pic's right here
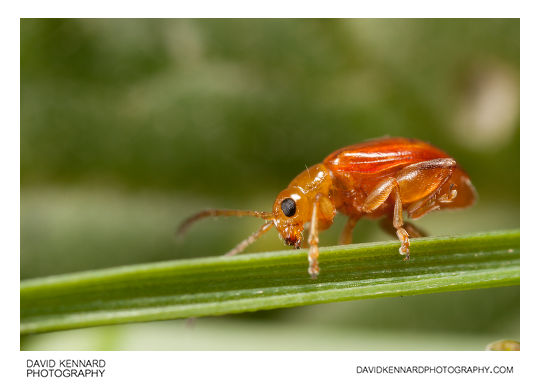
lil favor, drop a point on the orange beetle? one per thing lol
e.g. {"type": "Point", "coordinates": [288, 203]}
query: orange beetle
{"type": "Point", "coordinates": [377, 178]}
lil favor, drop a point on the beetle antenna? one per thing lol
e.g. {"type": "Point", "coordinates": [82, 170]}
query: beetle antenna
{"type": "Point", "coordinates": [182, 228]}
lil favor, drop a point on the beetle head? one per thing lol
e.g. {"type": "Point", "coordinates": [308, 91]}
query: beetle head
{"type": "Point", "coordinates": [290, 212]}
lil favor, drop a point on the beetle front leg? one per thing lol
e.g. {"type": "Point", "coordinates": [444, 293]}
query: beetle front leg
{"type": "Point", "coordinates": [313, 240]}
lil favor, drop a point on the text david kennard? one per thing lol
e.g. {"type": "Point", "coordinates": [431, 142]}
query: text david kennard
{"type": "Point", "coordinates": [65, 368]}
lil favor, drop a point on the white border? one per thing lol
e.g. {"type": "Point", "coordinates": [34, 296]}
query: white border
{"type": "Point", "coordinates": [268, 366]}
{"type": "Point", "coordinates": [287, 367]}
{"type": "Point", "coordinates": [276, 8]}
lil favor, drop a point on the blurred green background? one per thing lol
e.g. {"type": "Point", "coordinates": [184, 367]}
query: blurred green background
{"type": "Point", "coordinates": [129, 126]}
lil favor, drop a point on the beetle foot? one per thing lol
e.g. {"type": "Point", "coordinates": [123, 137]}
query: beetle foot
{"type": "Point", "coordinates": [405, 252]}
{"type": "Point", "coordinates": [407, 257]}
{"type": "Point", "coordinates": [313, 256]}
{"type": "Point", "coordinates": [448, 197]}
{"type": "Point", "coordinates": [404, 238]}
{"type": "Point", "coordinates": [313, 271]}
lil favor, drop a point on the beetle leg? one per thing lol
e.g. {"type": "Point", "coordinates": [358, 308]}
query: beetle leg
{"type": "Point", "coordinates": [346, 235]}
{"type": "Point", "coordinates": [418, 210]}
{"type": "Point", "coordinates": [397, 222]}
{"type": "Point", "coordinates": [413, 231]}
{"type": "Point", "coordinates": [251, 239]}
{"type": "Point", "coordinates": [313, 240]}
{"type": "Point", "coordinates": [379, 196]}
{"type": "Point", "coordinates": [432, 202]}
{"type": "Point", "coordinates": [403, 237]}
{"type": "Point", "coordinates": [448, 197]}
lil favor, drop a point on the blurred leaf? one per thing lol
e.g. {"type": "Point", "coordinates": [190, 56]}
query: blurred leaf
{"type": "Point", "coordinates": [503, 345]}
{"type": "Point", "coordinates": [231, 107]}
{"type": "Point", "coordinates": [219, 285]}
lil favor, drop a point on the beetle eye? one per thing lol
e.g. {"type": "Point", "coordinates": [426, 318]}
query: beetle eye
{"type": "Point", "coordinates": [288, 206]}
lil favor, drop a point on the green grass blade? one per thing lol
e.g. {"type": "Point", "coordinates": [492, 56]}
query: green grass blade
{"type": "Point", "coordinates": [221, 285]}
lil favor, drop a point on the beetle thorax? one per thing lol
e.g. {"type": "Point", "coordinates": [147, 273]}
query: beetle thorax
{"type": "Point", "coordinates": [314, 180]}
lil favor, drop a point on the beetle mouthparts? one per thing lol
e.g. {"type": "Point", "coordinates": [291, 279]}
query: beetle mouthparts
{"type": "Point", "coordinates": [293, 241]}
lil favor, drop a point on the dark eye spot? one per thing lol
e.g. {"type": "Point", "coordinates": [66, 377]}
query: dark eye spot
{"type": "Point", "coordinates": [288, 206]}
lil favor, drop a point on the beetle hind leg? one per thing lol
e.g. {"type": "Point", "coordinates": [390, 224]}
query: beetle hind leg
{"type": "Point", "coordinates": [432, 202]}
